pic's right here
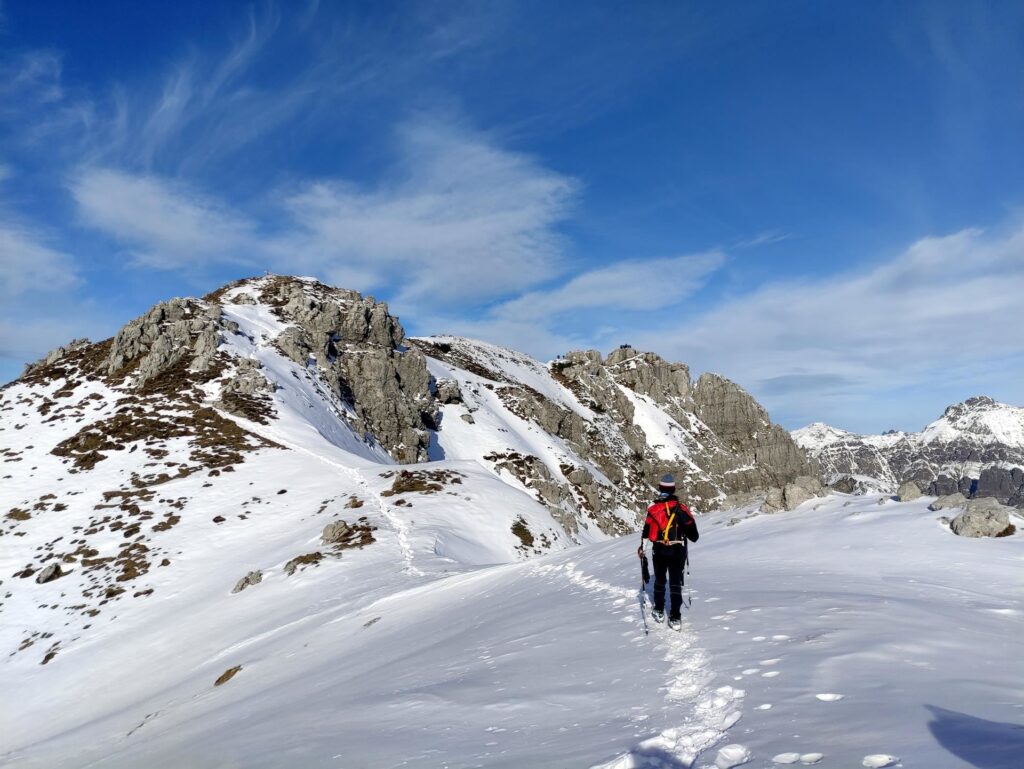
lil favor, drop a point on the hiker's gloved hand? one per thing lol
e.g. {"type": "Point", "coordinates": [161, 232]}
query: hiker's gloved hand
{"type": "Point", "coordinates": [640, 551]}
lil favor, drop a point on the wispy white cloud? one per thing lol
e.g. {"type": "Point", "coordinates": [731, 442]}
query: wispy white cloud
{"type": "Point", "coordinates": [460, 218]}
{"type": "Point", "coordinates": [763, 239]}
{"type": "Point", "coordinates": [629, 285]}
{"type": "Point", "coordinates": [942, 305]}
{"type": "Point", "coordinates": [28, 265]}
{"type": "Point", "coordinates": [165, 224]}
{"type": "Point", "coordinates": [30, 79]}
{"type": "Point", "coordinates": [37, 306]}
{"type": "Point", "coordinates": [596, 308]}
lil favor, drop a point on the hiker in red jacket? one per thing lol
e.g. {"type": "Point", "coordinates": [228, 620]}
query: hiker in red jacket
{"type": "Point", "coordinates": [669, 525]}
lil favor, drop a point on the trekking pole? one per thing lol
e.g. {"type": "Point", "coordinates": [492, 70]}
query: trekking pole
{"type": "Point", "coordinates": [642, 595]}
{"type": "Point", "coordinates": [686, 568]}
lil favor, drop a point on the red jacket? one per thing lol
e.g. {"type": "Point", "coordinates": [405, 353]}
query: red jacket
{"type": "Point", "coordinates": [670, 521]}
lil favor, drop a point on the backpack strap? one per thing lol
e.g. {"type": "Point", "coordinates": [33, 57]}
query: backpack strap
{"type": "Point", "coordinates": [668, 526]}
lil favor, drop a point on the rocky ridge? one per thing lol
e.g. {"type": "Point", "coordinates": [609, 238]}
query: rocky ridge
{"type": "Point", "coordinates": [625, 419]}
{"type": "Point", "coordinates": [630, 417]}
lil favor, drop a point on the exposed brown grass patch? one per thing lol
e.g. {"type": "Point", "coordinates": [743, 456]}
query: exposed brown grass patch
{"type": "Point", "coordinates": [227, 675]}
{"type": "Point", "coordinates": [521, 530]}
{"type": "Point", "coordinates": [420, 481]}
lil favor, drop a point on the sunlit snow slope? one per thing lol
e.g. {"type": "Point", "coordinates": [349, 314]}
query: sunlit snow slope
{"type": "Point", "coordinates": [867, 634]}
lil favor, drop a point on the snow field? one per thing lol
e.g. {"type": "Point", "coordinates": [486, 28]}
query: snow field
{"type": "Point", "coordinates": [860, 616]}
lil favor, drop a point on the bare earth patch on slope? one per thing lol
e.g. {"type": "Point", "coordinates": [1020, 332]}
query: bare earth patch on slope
{"type": "Point", "coordinates": [420, 481]}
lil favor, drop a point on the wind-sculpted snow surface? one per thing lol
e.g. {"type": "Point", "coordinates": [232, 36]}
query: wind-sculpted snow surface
{"type": "Point", "coordinates": [838, 654]}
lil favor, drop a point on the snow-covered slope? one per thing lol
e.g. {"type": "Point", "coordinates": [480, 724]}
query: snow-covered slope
{"type": "Point", "coordinates": [975, 447]}
{"type": "Point", "coordinates": [844, 635]}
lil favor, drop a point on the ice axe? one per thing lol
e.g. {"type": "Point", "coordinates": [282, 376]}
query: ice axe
{"type": "Point", "coordinates": [645, 577]}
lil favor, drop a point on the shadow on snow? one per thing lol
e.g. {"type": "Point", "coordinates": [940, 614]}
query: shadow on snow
{"type": "Point", "coordinates": [983, 744]}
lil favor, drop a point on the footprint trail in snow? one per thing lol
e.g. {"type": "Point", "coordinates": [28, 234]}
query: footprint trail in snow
{"type": "Point", "coordinates": [709, 712]}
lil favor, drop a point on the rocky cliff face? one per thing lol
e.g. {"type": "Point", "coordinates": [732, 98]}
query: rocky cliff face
{"type": "Point", "coordinates": [350, 343]}
{"type": "Point", "coordinates": [355, 347]}
{"type": "Point", "coordinates": [742, 424]}
{"type": "Point", "coordinates": [624, 420]}
{"type": "Point", "coordinates": [975, 448]}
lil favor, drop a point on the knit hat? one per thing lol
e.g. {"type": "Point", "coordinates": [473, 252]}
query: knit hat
{"type": "Point", "coordinates": [667, 484]}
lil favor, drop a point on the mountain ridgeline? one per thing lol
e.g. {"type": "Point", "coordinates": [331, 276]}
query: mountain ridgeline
{"type": "Point", "coordinates": [976, 448]}
{"type": "Point", "coordinates": [610, 425]}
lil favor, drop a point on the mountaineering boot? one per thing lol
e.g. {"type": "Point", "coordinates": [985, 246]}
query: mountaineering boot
{"type": "Point", "coordinates": [675, 624]}
{"type": "Point", "coordinates": [659, 615]}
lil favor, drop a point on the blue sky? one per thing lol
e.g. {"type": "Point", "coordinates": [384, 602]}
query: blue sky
{"type": "Point", "coordinates": [822, 202]}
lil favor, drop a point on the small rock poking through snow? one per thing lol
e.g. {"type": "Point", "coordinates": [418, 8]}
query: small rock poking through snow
{"type": "Point", "coordinates": [811, 758]}
{"type": "Point", "coordinates": [786, 758]}
{"type": "Point", "coordinates": [879, 760]}
{"type": "Point", "coordinates": [732, 755]}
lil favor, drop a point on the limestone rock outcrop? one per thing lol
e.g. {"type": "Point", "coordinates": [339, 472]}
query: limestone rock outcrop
{"type": "Point", "coordinates": [356, 347]}
{"type": "Point", "coordinates": [57, 354]}
{"type": "Point", "coordinates": [908, 491]}
{"type": "Point", "coordinates": [250, 579]}
{"type": "Point", "coordinates": [633, 417]}
{"type": "Point", "coordinates": [165, 336]}
{"type": "Point", "coordinates": [983, 518]}
{"type": "Point", "coordinates": [743, 425]}
{"type": "Point", "coordinates": [956, 500]}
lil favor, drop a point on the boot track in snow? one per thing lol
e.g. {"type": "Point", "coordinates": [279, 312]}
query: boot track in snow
{"type": "Point", "coordinates": [687, 689]}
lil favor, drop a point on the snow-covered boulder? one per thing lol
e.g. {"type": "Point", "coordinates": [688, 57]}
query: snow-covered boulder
{"type": "Point", "coordinates": [983, 518]}
{"type": "Point", "coordinates": [947, 501]}
{"type": "Point", "coordinates": [250, 579]}
{"type": "Point", "coordinates": [802, 489]}
{"type": "Point", "coordinates": [908, 491]}
{"type": "Point", "coordinates": [774, 501]}
{"type": "Point", "coordinates": [845, 484]}
{"type": "Point", "coordinates": [792, 495]}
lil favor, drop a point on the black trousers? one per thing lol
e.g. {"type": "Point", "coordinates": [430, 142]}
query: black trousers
{"type": "Point", "coordinates": [669, 560]}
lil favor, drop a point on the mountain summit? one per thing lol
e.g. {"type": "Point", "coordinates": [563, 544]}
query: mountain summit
{"type": "Point", "coordinates": [976, 448]}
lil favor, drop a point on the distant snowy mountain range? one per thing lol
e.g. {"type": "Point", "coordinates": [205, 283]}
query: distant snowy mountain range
{"type": "Point", "coordinates": [265, 528]}
{"type": "Point", "coordinates": [975, 447]}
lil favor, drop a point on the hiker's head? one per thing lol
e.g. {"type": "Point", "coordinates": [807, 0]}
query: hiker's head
{"type": "Point", "coordinates": [666, 486]}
